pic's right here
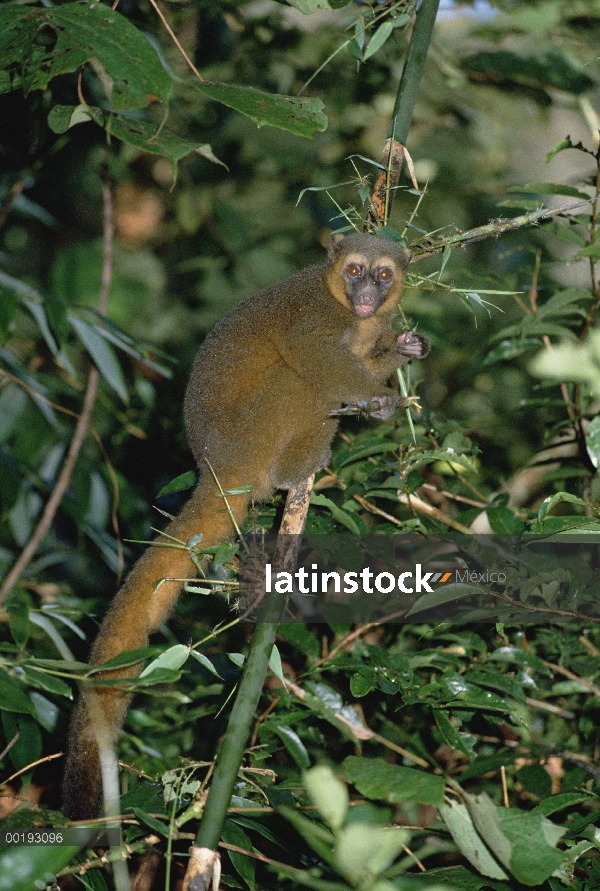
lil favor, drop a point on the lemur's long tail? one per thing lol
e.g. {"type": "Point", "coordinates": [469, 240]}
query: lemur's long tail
{"type": "Point", "coordinates": [139, 608]}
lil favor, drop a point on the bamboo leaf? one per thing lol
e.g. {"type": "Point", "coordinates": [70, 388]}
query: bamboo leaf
{"type": "Point", "coordinates": [378, 39]}
{"type": "Point", "coordinates": [299, 115]}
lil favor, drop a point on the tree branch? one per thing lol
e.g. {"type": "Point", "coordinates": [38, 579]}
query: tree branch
{"type": "Point", "coordinates": [491, 230]}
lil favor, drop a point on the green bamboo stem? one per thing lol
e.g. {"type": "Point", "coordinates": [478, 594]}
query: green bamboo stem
{"type": "Point", "coordinates": [238, 730]}
{"type": "Point", "coordinates": [251, 685]}
{"type": "Point", "coordinates": [412, 71]}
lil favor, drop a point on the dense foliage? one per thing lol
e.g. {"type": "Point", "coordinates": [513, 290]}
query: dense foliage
{"type": "Point", "coordinates": [477, 743]}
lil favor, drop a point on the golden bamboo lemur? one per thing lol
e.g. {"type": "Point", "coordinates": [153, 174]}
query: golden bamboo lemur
{"type": "Point", "coordinates": [258, 408]}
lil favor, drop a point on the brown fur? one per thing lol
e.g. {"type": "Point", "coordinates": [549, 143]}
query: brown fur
{"type": "Point", "coordinates": [258, 409]}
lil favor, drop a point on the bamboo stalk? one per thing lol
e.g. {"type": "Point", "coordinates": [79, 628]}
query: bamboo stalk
{"type": "Point", "coordinates": [410, 80]}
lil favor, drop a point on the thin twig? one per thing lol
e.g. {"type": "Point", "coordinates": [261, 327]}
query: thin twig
{"type": "Point", "coordinates": [546, 609]}
{"type": "Point", "coordinates": [453, 497]}
{"type": "Point", "coordinates": [176, 42]}
{"type": "Point", "coordinates": [32, 765]}
{"type": "Point", "coordinates": [14, 194]}
{"type": "Point", "coordinates": [559, 669]}
{"type": "Point", "coordinates": [425, 508]}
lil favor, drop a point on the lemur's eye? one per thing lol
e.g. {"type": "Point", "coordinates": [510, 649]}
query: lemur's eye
{"type": "Point", "coordinates": [385, 274]}
{"type": "Point", "coordinates": [353, 270]}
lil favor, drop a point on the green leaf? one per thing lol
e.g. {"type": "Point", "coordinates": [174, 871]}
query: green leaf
{"type": "Point", "coordinates": [526, 204]}
{"type": "Point", "coordinates": [179, 483]}
{"type": "Point", "coordinates": [562, 801]}
{"type": "Point", "coordinates": [129, 657]}
{"type": "Point", "coordinates": [378, 780]}
{"type": "Point", "coordinates": [301, 116]}
{"type": "Point", "coordinates": [519, 657]}
{"type": "Point", "coordinates": [494, 680]}
{"type": "Point", "coordinates": [401, 20]}
{"type": "Point", "coordinates": [504, 521]}
{"type": "Point", "coordinates": [18, 617]}
{"type": "Point", "coordinates": [563, 302]}
{"type": "Point", "coordinates": [293, 744]}
{"type": "Point", "coordinates": [17, 29]}
{"type": "Point", "coordinates": [46, 712]}
{"type": "Point", "coordinates": [449, 732]}
{"type": "Point", "coordinates": [28, 746]}
{"type": "Point", "coordinates": [205, 661]}
{"type": "Point", "coordinates": [127, 64]}
{"type": "Point", "coordinates": [565, 871]}
{"type": "Point", "coordinates": [346, 519]}
{"type": "Point", "coordinates": [362, 683]}
{"type": "Point", "coordinates": [451, 456]}
{"type": "Point", "coordinates": [551, 525]}
{"type": "Point", "coordinates": [62, 117]}
{"type": "Point", "coordinates": [156, 677]}
{"type": "Point", "coordinates": [592, 250]}
{"type": "Point", "coordinates": [38, 312]}
{"type": "Point", "coordinates": [328, 794]}
{"type": "Point", "coordinates": [12, 696]}
{"type": "Point", "coordinates": [460, 824]}
{"type": "Point", "coordinates": [378, 39]}
{"type": "Point", "coordinates": [535, 779]}
{"type": "Point", "coordinates": [533, 856]}
{"type": "Point", "coordinates": [567, 233]}
{"type": "Point", "coordinates": [550, 502]}
{"type": "Point", "coordinates": [443, 594]}
{"type": "Point", "coordinates": [460, 693]}
{"type": "Point", "coordinates": [559, 147]}
{"type": "Point", "coordinates": [364, 850]}
{"type": "Point", "coordinates": [103, 357]}
{"type": "Point", "coordinates": [156, 825]}
{"type": "Point", "coordinates": [360, 451]}
{"type": "Point", "coordinates": [275, 664]}
{"type": "Point", "coordinates": [512, 348]}
{"type": "Point", "coordinates": [301, 637]}
{"type": "Point", "coordinates": [318, 837]}
{"type": "Point", "coordinates": [550, 189]}
{"type": "Point", "coordinates": [233, 834]}
{"type": "Point", "coordinates": [551, 69]}
{"type": "Point", "coordinates": [8, 305]}
{"type": "Point", "coordinates": [25, 868]}
{"type": "Point", "coordinates": [534, 325]}
{"type": "Point", "coordinates": [223, 553]}
{"type": "Point", "coordinates": [355, 50]}
{"type": "Point", "coordinates": [173, 658]}
{"type": "Point", "coordinates": [143, 135]}
{"type": "Point", "coordinates": [456, 878]}
{"type": "Point", "coordinates": [48, 682]}
{"type": "Point", "coordinates": [251, 823]}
